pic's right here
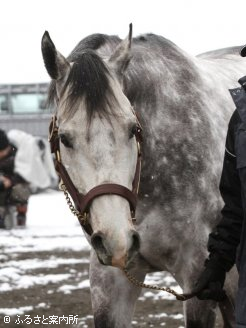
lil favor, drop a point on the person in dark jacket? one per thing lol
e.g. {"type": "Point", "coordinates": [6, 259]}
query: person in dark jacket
{"type": "Point", "coordinates": [14, 189]}
{"type": "Point", "coordinates": [227, 243]}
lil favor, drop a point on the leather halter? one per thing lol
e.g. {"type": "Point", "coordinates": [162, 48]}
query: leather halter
{"type": "Point", "coordinates": [82, 202]}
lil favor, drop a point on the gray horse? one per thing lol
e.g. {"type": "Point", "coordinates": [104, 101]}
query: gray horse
{"type": "Point", "coordinates": [184, 106]}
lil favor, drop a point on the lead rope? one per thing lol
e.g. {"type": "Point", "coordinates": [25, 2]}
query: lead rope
{"type": "Point", "coordinates": [179, 297]}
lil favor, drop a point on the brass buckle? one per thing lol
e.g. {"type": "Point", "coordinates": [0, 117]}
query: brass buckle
{"type": "Point", "coordinates": [58, 156]}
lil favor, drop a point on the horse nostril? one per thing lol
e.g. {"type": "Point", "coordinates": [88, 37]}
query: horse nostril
{"type": "Point", "coordinates": [97, 242]}
{"type": "Point", "coordinates": [133, 250]}
{"type": "Point", "coordinates": [135, 242]}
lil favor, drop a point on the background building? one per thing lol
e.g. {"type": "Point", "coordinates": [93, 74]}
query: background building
{"type": "Point", "coordinates": [23, 107]}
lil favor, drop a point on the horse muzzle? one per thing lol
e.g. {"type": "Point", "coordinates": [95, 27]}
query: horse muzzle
{"type": "Point", "coordinates": [109, 254]}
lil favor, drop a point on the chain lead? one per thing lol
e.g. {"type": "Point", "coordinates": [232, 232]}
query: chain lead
{"type": "Point", "coordinates": [138, 283]}
{"type": "Point", "coordinates": [82, 218]}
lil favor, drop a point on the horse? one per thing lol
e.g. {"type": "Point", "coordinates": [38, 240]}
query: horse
{"type": "Point", "coordinates": [105, 91]}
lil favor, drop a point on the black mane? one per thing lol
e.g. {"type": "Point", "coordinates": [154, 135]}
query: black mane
{"type": "Point", "coordinates": [88, 80]}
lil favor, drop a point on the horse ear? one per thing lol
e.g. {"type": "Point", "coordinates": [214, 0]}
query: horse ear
{"type": "Point", "coordinates": [56, 64]}
{"type": "Point", "coordinates": [121, 57]}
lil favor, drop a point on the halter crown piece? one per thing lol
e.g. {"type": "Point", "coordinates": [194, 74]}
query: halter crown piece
{"type": "Point", "coordinates": [82, 202]}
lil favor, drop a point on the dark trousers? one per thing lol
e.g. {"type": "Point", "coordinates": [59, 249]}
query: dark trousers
{"type": "Point", "coordinates": [18, 194]}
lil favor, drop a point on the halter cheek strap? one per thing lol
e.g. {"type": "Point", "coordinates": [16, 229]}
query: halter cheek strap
{"type": "Point", "coordinates": [83, 202]}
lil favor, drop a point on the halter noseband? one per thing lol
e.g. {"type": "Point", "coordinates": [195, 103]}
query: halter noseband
{"type": "Point", "coordinates": [83, 202]}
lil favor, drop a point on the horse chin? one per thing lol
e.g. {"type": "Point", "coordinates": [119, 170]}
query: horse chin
{"type": "Point", "coordinates": [121, 263]}
{"type": "Point", "coordinates": [110, 261]}
{"type": "Point", "coordinates": [115, 256]}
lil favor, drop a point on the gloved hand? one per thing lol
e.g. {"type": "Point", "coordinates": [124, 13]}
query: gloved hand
{"type": "Point", "coordinates": [211, 281]}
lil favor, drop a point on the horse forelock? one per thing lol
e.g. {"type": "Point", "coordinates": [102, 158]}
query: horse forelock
{"type": "Point", "coordinates": [88, 80]}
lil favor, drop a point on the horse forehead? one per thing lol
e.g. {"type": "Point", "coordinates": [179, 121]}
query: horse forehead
{"type": "Point", "coordinates": [115, 122]}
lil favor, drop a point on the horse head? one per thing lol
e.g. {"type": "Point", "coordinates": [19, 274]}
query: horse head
{"type": "Point", "coordinates": [96, 128]}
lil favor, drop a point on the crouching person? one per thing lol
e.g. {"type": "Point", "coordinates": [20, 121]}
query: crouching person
{"type": "Point", "coordinates": [14, 190]}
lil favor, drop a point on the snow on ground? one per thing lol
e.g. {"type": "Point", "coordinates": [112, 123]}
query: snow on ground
{"type": "Point", "coordinates": [50, 227]}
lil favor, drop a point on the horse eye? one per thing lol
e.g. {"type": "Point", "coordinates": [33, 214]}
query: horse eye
{"type": "Point", "coordinates": [135, 130]}
{"type": "Point", "coordinates": [65, 141]}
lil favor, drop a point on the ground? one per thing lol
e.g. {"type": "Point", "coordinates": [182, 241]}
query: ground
{"type": "Point", "coordinates": [44, 275]}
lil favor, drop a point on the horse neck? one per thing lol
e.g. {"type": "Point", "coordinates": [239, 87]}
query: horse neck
{"type": "Point", "coordinates": [162, 83]}
{"type": "Point", "coordinates": [164, 89]}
